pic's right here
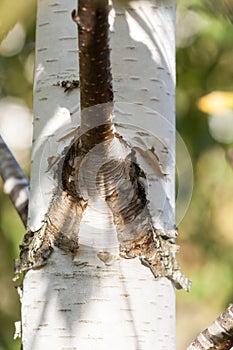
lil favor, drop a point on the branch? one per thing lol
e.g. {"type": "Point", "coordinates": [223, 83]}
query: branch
{"type": "Point", "coordinates": [101, 163]}
{"type": "Point", "coordinates": [96, 91]}
{"type": "Point", "coordinates": [15, 182]}
{"type": "Point", "coordinates": [218, 336]}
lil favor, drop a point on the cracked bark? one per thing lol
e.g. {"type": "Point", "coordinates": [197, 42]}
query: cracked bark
{"type": "Point", "coordinates": [76, 303]}
{"type": "Point", "coordinates": [136, 234]}
{"type": "Point", "coordinates": [117, 179]}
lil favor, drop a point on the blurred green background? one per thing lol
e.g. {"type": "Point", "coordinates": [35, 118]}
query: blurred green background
{"type": "Point", "coordinates": [205, 123]}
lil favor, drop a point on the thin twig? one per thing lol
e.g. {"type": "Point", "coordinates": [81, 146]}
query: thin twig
{"type": "Point", "coordinates": [218, 336]}
{"type": "Point", "coordinates": [15, 182]}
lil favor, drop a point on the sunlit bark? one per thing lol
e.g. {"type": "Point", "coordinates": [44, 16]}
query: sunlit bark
{"type": "Point", "coordinates": [218, 336]}
{"type": "Point", "coordinates": [103, 188]}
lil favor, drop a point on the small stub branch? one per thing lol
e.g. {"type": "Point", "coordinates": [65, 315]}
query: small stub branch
{"type": "Point", "coordinates": [98, 148]}
{"type": "Point", "coordinates": [218, 336]}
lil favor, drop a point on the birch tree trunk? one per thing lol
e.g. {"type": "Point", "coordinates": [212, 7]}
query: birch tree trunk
{"type": "Point", "coordinates": [95, 298]}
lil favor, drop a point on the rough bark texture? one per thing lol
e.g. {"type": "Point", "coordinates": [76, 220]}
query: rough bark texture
{"type": "Point", "coordinates": [96, 298]}
{"type": "Point", "coordinates": [218, 336]}
{"type": "Point", "coordinates": [116, 181]}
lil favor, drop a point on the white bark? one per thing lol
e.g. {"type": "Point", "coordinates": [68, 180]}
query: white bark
{"type": "Point", "coordinates": [144, 79]}
{"type": "Point", "coordinates": [100, 301]}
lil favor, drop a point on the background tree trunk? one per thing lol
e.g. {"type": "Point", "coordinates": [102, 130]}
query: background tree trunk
{"type": "Point", "coordinates": [98, 300]}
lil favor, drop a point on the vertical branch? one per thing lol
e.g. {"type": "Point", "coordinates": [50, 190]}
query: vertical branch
{"type": "Point", "coordinates": [15, 182]}
{"type": "Point", "coordinates": [96, 91]}
{"type": "Point", "coordinates": [94, 53]}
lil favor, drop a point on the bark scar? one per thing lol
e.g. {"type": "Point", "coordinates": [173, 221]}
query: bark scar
{"type": "Point", "coordinates": [119, 179]}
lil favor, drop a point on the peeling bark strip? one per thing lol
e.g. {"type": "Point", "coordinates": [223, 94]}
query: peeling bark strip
{"type": "Point", "coordinates": [218, 336]}
{"type": "Point", "coordinates": [118, 178]}
{"type": "Point", "coordinates": [15, 182]}
{"type": "Point", "coordinates": [136, 233]}
{"type": "Point", "coordinates": [60, 229]}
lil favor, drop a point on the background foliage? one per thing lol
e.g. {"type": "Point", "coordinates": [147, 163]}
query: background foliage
{"type": "Point", "coordinates": [204, 65]}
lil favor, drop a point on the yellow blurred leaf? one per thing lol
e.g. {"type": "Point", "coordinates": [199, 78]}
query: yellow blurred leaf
{"type": "Point", "coordinates": [216, 102]}
{"type": "Point", "coordinates": [13, 11]}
